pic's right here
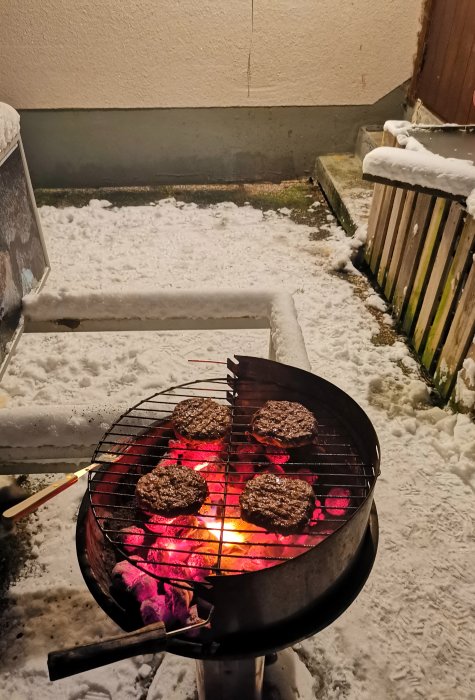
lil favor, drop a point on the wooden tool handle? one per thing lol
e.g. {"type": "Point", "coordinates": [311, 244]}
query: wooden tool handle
{"type": "Point", "coordinates": [20, 510]}
{"type": "Point", "coordinates": [146, 640]}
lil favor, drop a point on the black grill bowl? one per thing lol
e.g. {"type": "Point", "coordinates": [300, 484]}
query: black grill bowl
{"type": "Point", "coordinates": [300, 595]}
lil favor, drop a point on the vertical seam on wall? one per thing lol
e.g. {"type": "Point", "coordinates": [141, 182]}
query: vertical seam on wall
{"type": "Point", "coordinates": [250, 51]}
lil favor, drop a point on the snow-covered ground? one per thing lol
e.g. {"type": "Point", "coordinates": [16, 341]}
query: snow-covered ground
{"type": "Point", "coordinates": [411, 632]}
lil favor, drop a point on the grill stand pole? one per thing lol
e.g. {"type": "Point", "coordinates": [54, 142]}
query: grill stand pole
{"type": "Point", "coordinates": [236, 679]}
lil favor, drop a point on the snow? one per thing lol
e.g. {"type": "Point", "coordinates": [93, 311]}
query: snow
{"type": "Point", "coordinates": [397, 127]}
{"type": "Point", "coordinates": [9, 125]}
{"type": "Point", "coordinates": [374, 301]}
{"type": "Point", "coordinates": [414, 167]}
{"type": "Point", "coordinates": [402, 129]}
{"type": "Point", "coordinates": [471, 203]}
{"type": "Point", "coordinates": [465, 387]}
{"type": "Point", "coordinates": [411, 632]}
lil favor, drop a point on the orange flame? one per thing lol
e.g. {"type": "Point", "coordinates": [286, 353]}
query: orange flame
{"type": "Point", "coordinates": [230, 536]}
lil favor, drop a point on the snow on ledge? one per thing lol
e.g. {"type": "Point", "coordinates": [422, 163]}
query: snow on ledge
{"type": "Point", "coordinates": [146, 304]}
{"type": "Point", "coordinates": [42, 311]}
{"type": "Point", "coordinates": [400, 130]}
{"type": "Point", "coordinates": [422, 168]}
{"type": "Point", "coordinates": [9, 125]}
{"type": "Point", "coordinates": [46, 432]}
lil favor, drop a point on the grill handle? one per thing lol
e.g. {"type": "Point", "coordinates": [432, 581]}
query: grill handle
{"type": "Point", "coordinates": [67, 662]}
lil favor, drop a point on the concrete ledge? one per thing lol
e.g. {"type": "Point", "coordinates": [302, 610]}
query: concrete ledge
{"type": "Point", "coordinates": [117, 147]}
{"type": "Point", "coordinates": [340, 177]}
{"type": "Point", "coordinates": [41, 438]}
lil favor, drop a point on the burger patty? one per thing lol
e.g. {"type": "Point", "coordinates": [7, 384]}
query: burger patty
{"type": "Point", "coordinates": [283, 424]}
{"type": "Point", "coordinates": [201, 419]}
{"type": "Point", "coordinates": [280, 504]}
{"type": "Point", "coordinates": [171, 491]}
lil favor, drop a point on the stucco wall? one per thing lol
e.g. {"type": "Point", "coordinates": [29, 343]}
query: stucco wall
{"type": "Point", "coordinates": [201, 53]}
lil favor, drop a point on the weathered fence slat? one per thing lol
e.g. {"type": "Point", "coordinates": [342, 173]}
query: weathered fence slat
{"type": "Point", "coordinates": [423, 269]}
{"type": "Point", "coordinates": [437, 276]}
{"type": "Point", "coordinates": [383, 222]}
{"type": "Point", "coordinates": [401, 236]}
{"type": "Point", "coordinates": [410, 255]}
{"type": "Point", "coordinates": [373, 220]}
{"type": "Point", "coordinates": [459, 338]}
{"type": "Point", "coordinates": [394, 221]}
{"type": "Point", "coordinates": [453, 280]}
{"type": "Point", "coordinates": [420, 249]}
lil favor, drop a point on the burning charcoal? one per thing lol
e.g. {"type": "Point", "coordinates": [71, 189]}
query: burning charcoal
{"type": "Point", "coordinates": [171, 527]}
{"type": "Point", "coordinates": [191, 455]}
{"type": "Point", "coordinates": [216, 491]}
{"type": "Point", "coordinates": [233, 509]}
{"type": "Point", "coordinates": [243, 463]}
{"type": "Point", "coordinates": [200, 458]}
{"type": "Point", "coordinates": [198, 566]}
{"type": "Point", "coordinates": [156, 609]}
{"type": "Point", "coordinates": [167, 463]}
{"type": "Point", "coordinates": [248, 448]}
{"type": "Point", "coordinates": [305, 475]}
{"type": "Point", "coordinates": [178, 600]}
{"type": "Point", "coordinates": [135, 581]}
{"type": "Point", "coordinates": [132, 537]}
{"type": "Point", "coordinates": [176, 449]}
{"type": "Point", "coordinates": [275, 469]}
{"type": "Point", "coordinates": [126, 573]}
{"type": "Point", "coordinates": [318, 513]}
{"type": "Point", "coordinates": [251, 559]}
{"type": "Point", "coordinates": [162, 560]}
{"type": "Point", "coordinates": [145, 587]}
{"type": "Point", "coordinates": [337, 501]}
{"type": "Point", "coordinates": [276, 455]}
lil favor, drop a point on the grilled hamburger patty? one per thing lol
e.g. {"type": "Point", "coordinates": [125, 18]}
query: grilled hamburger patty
{"type": "Point", "coordinates": [280, 504]}
{"type": "Point", "coordinates": [283, 424]}
{"type": "Point", "coordinates": [171, 491]}
{"type": "Point", "coordinates": [201, 419]}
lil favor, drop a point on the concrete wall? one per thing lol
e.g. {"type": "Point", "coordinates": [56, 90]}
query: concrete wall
{"type": "Point", "coordinates": [204, 53]}
{"type": "Point", "coordinates": [93, 148]}
{"type": "Point", "coordinates": [160, 91]}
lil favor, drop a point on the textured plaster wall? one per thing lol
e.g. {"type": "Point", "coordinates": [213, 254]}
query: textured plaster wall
{"type": "Point", "coordinates": [201, 53]}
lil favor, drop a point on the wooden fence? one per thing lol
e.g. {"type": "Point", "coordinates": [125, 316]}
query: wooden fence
{"type": "Point", "coordinates": [420, 250]}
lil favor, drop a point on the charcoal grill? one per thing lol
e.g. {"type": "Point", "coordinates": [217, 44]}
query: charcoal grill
{"type": "Point", "coordinates": [301, 582]}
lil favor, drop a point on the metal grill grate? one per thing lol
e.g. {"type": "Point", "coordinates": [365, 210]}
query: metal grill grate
{"type": "Point", "coordinates": [220, 542]}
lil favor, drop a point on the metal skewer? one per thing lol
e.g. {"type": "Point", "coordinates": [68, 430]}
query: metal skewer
{"type": "Point", "coordinates": [30, 504]}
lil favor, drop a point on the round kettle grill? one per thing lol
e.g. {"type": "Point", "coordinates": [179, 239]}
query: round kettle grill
{"type": "Point", "coordinates": [299, 583]}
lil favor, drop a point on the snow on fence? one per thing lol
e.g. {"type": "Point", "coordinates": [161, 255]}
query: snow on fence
{"type": "Point", "coordinates": [420, 250]}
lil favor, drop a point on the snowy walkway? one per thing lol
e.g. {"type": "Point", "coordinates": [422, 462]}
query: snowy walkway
{"type": "Point", "coordinates": [411, 633]}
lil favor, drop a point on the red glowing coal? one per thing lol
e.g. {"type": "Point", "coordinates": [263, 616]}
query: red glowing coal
{"type": "Point", "coordinates": [215, 540]}
{"type": "Point", "coordinates": [337, 501]}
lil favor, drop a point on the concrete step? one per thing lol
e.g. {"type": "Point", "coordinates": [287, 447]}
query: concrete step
{"type": "Point", "coordinates": [339, 176]}
{"type": "Point", "coordinates": [369, 137]}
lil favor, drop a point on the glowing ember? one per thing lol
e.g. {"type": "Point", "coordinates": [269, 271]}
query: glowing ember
{"type": "Point", "coordinates": [276, 455]}
{"type": "Point", "coordinates": [201, 466]}
{"type": "Point", "coordinates": [318, 513]}
{"type": "Point", "coordinates": [337, 501]}
{"type": "Point", "coordinates": [186, 547]}
{"type": "Point", "coordinates": [230, 536]}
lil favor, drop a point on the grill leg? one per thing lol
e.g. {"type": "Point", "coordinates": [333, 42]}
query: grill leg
{"type": "Point", "coordinates": [230, 680]}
